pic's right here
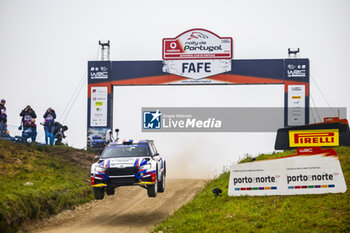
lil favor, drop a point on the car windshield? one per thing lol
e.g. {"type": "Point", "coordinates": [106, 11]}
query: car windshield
{"type": "Point", "coordinates": [133, 150]}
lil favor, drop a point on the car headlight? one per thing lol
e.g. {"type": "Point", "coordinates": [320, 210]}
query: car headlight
{"type": "Point", "coordinates": [147, 166]}
{"type": "Point", "coordinates": [100, 169]}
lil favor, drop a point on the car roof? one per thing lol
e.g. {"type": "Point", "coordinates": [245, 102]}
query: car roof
{"type": "Point", "coordinates": [125, 141]}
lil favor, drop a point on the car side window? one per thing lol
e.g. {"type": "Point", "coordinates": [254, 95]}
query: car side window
{"type": "Point", "coordinates": [154, 148]}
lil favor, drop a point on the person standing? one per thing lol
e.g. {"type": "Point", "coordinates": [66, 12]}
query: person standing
{"type": "Point", "coordinates": [28, 121]}
{"type": "Point", "coordinates": [49, 125]}
{"type": "Point", "coordinates": [3, 118]}
{"type": "Point", "coordinates": [33, 128]}
{"type": "Point", "coordinates": [109, 136]}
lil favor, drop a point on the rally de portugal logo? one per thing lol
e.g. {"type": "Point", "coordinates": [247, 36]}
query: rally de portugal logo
{"type": "Point", "coordinates": [152, 119]}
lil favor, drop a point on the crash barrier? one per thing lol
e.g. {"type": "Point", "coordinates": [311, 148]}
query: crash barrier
{"type": "Point", "coordinates": [311, 171]}
{"type": "Point", "coordinates": [332, 132]}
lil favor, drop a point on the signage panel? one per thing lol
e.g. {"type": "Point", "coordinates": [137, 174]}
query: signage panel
{"type": "Point", "coordinates": [296, 105]}
{"type": "Point", "coordinates": [197, 69]}
{"type": "Point", "coordinates": [312, 171]}
{"type": "Point", "coordinates": [297, 69]}
{"type": "Point", "coordinates": [197, 44]}
{"type": "Point", "coordinates": [316, 137]}
{"type": "Point", "coordinates": [98, 107]}
{"type": "Point", "coordinates": [99, 71]}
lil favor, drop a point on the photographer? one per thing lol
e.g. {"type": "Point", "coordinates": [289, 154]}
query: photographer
{"type": "Point", "coordinates": [30, 132]}
{"type": "Point", "coordinates": [28, 122]}
{"type": "Point", "coordinates": [59, 132]}
{"type": "Point", "coordinates": [49, 125]}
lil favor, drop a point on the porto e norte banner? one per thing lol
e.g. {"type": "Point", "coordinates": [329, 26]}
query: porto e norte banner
{"type": "Point", "coordinates": [311, 171]}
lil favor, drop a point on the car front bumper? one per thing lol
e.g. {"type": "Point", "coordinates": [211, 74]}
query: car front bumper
{"type": "Point", "coordinates": [141, 178]}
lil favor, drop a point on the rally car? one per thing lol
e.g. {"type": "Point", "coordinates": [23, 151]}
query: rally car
{"type": "Point", "coordinates": [96, 141]}
{"type": "Point", "coordinates": [125, 163]}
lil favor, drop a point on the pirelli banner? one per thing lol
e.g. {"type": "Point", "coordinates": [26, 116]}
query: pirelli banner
{"type": "Point", "coordinates": [316, 137]}
{"type": "Point", "coordinates": [326, 134]}
{"type": "Point", "coordinates": [310, 171]}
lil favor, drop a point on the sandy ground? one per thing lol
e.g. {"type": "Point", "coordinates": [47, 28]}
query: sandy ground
{"type": "Point", "coordinates": [128, 210]}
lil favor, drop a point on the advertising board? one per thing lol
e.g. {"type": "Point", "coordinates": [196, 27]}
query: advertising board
{"type": "Point", "coordinates": [311, 171]}
{"type": "Point", "coordinates": [296, 105]}
{"type": "Point", "coordinates": [316, 137]}
{"type": "Point", "coordinates": [197, 44]}
{"type": "Point", "coordinates": [99, 106]}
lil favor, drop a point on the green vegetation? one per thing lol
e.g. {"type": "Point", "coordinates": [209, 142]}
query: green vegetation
{"type": "Point", "coordinates": [301, 213]}
{"type": "Point", "coordinates": [37, 181]}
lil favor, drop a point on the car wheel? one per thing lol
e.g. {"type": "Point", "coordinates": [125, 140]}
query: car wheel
{"type": "Point", "coordinates": [161, 184]}
{"type": "Point", "coordinates": [152, 190]}
{"type": "Point", "coordinates": [110, 191]}
{"type": "Point", "coordinates": [164, 169]}
{"type": "Point", "coordinates": [99, 193]}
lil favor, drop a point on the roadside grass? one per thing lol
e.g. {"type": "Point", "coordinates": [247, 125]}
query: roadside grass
{"type": "Point", "coordinates": [57, 182]}
{"type": "Point", "coordinates": [300, 213]}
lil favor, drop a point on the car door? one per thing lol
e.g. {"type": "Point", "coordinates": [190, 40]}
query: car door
{"type": "Point", "coordinates": [157, 158]}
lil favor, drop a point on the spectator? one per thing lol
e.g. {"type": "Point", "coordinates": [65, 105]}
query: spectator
{"type": "Point", "coordinates": [59, 132]}
{"type": "Point", "coordinates": [30, 131]}
{"type": "Point", "coordinates": [49, 125]}
{"type": "Point", "coordinates": [28, 121]}
{"type": "Point", "coordinates": [109, 136]}
{"type": "Point", "coordinates": [3, 118]}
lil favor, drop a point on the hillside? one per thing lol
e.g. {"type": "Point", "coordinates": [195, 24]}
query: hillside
{"type": "Point", "coordinates": [38, 180]}
{"type": "Point", "coordinates": [301, 213]}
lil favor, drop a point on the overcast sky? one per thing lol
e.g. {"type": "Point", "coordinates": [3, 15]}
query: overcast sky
{"type": "Point", "coordinates": [45, 46]}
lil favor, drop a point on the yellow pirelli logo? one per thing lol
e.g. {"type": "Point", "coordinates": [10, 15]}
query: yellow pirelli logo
{"type": "Point", "coordinates": [314, 137]}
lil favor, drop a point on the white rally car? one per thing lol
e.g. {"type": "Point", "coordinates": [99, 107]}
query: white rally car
{"type": "Point", "coordinates": [128, 162]}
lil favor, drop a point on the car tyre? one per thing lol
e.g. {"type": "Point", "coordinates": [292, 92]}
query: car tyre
{"type": "Point", "coordinates": [152, 190]}
{"type": "Point", "coordinates": [110, 191]}
{"type": "Point", "coordinates": [161, 184]}
{"type": "Point", "coordinates": [99, 193]}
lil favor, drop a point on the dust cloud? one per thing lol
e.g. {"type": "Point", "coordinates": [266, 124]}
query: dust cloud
{"type": "Point", "coordinates": [195, 155]}
{"type": "Point", "coordinates": [204, 156]}
{"type": "Point", "coordinates": [186, 163]}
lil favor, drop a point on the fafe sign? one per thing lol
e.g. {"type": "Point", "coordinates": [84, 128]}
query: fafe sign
{"type": "Point", "coordinates": [197, 54]}
{"type": "Point", "coordinates": [197, 69]}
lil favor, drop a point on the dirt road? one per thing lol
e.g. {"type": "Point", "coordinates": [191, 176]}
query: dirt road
{"type": "Point", "coordinates": [128, 210]}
